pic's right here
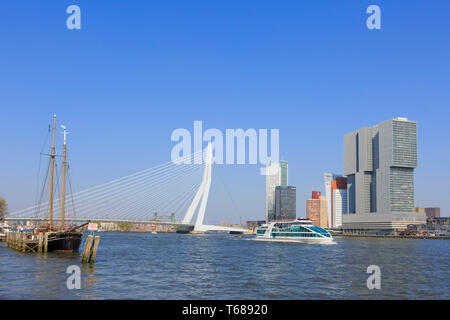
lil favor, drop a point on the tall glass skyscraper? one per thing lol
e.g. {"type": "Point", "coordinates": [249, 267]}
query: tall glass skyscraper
{"type": "Point", "coordinates": [285, 203]}
{"type": "Point", "coordinates": [276, 175]}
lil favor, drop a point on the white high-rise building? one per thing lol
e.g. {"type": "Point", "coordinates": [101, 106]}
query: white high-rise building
{"type": "Point", "coordinates": [336, 192]}
{"type": "Point", "coordinates": [339, 206]}
{"type": "Point", "coordinates": [273, 179]}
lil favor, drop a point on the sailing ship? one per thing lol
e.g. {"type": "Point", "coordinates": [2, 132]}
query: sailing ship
{"type": "Point", "coordinates": [61, 238]}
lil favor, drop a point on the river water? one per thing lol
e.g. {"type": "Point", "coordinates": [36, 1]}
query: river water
{"type": "Point", "coordinates": [213, 266]}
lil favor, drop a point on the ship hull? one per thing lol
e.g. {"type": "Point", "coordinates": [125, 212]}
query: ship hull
{"type": "Point", "coordinates": [298, 240]}
{"type": "Point", "coordinates": [185, 229]}
{"type": "Point", "coordinates": [64, 241]}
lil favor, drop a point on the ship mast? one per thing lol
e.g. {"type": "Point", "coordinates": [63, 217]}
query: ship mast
{"type": "Point", "coordinates": [63, 179]}
{"type": "Point", "coordinates": [51, 176]}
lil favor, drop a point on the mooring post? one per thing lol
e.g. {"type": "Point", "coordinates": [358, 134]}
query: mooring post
{"type": "Point", "coordinates": [24, 242]}
{"type": "Point", "coordinates": [94, 249]}
{"type": "Point", "coordinates": [41, 240]}
{"type": "Point", "coordinates": [46, 242]}
{"type": "Point", "coordinates": [87, 249]}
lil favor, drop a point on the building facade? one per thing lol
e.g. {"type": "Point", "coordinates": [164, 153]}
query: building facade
{"type": "Point", "coordinates": [276, 175]}
{"type": "Point", "coordinates": [316, 210]}
{"type": "Point", "coordinates": [336, 195]}
{"type": "Point", "coordinates": [285, 203]}
{"type": "Point", "coordinates": [432, 213]}
{"type": "Point", "coordinates": [379, 163]}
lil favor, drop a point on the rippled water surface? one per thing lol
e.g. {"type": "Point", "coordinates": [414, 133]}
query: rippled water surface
{"type": "Point", "coordinates": [176, 266]}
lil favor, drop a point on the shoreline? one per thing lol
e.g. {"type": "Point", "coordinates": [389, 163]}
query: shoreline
{"type": "Point", "coordinates": [391, 236]}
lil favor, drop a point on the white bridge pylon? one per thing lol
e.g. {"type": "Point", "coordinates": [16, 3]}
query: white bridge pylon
{"type": "Point", "coordinates": [202, 194]}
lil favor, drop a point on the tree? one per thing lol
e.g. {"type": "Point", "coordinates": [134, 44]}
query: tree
{"type": "Point", "coordinates": [3, 208]}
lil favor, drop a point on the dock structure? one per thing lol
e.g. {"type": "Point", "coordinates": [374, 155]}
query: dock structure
{"type": "Point", "coordinates": [24, 241]}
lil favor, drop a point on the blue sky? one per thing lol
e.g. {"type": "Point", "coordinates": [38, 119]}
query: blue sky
{"type": "Point", "coordinates": [137, 70]}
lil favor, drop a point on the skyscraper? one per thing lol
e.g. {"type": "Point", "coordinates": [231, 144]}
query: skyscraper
{"type": "Point", "coordinates": [285, 203]}
{"type": "Point", "coordinates": [276, 175]}
{"type": "Point", "coordinates": [283, 173]}
{"type": "Point", "coordinates": [379, 163]}
{"type": "Point", "coordinates": [336, 192]}
{"type": "Point", "coordinates": [316, 209]}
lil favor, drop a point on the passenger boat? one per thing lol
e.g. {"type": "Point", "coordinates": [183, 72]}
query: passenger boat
{"type": "Point", "coordinates": [299, 231]}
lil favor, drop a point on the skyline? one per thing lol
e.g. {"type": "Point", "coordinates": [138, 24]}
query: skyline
{"type": "Point", "coordinates": [121, 94]}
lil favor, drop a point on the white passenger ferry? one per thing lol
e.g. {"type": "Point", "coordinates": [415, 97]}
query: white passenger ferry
{"type": "Point", "coordinates": [300, 231]}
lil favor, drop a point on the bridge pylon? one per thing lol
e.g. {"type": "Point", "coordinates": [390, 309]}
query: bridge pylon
{"type": "Point", "coordinates": [201, 198]}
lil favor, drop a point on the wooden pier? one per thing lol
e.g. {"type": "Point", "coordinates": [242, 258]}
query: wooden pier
{"type": "Point", "coordinates": [26, 241]}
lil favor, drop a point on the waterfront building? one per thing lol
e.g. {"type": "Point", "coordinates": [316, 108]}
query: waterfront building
{"type": "Point", "coordinates": [316, 209]}
{"type": "Point", "coordinates": [285, 203]}
{"type": "Point", "coordinates": [432, 213]}
{"type": "Point", "coordinates": [336, 193]}
{"type": "Point", "coordinates": [254, 223]}
{"type": "Point", "coordinates": [276, 175]}
{"type": "Point", "coordinates": [379, 163]}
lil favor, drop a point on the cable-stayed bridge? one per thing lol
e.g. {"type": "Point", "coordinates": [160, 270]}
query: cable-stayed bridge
{"type": "Point", "coordinates": [172, 193]}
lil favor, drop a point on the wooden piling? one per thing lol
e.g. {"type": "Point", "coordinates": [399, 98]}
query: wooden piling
{"type": "Point", "coordinates": [23, 242]}
{"type": "Point", "coordinates": [94, 249]}
{"type": "Point", "coordinates": [46, 242]}
{"type": "Point", "coordinates": [87, 249]}
{"type": "Point", "coordinates": [41, 242]}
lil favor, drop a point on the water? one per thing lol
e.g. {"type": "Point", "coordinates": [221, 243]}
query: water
{"type": "Point", "coordinates": [176, 266]}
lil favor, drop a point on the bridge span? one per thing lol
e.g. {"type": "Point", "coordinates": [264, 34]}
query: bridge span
{"type": "Point", "coordinates": [135, 198]}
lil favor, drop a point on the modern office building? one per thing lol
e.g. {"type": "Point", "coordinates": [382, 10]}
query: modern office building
{"type": "Point", "coordinates": [285, 203]}
{"type": "Point", "coordinates": [283, 173]}
{"type": "Point", "coordinates": [316, 210]}
{"type": "Point", "coordinates": [276, 175]}
{"type": "Point", "coordinates": [379, 163]}
{"type": "Point", "coordinates": [336, 194]}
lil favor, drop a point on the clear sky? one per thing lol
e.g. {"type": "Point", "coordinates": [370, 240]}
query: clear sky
{"type": "Point", "coordinates": [137, 70]}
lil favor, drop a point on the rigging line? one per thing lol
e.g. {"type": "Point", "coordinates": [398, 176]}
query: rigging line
{"type": "Point", "coordinates": [76, 196]}
{"type": "Point", "coordinates": [160, 168]}
{"type": "Point", "coordinates": [223, 194]}
{"type": "Point", "coordinates": [161, 208]}
{"type": "Point", "coordinates": [184, 201]}
{"type": "Point", "coordinates": [137, 173]}
{"type": "Point", "coordinates": [195, 154]}
{"type": "Point", "coordinates": [157, 177]}
{"type": "Point", "coordinates": [43, 189]}
{"type": "Point", "coordinates": [122, 202]}
{"type": "Point", "coordinates": [71, 193]}
{"type": "Point", "coordinates": [130, 184]}
{"type": "Point", "coordinates": [106, 196]}
{"type": "Point", "coordinates": [158, 208]}
{"type": "Point", "coordinates": [141, 204]}
{"type": "Point", "coordinates": [181, 199]}
{"type": "Point", "coordinates": [133, 210]}
{"type": "Point", "coordinates": [151, 197]}
{"type": "Point", "coordinates": [178, 197]}
{"type": "Point", "coordinates": [229, 193]}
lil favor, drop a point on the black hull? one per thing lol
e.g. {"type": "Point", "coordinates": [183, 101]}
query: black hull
{"type": "Point", "coordinates": [65, 242]}
{"type": "Point", "coordinates": [185, 229]}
